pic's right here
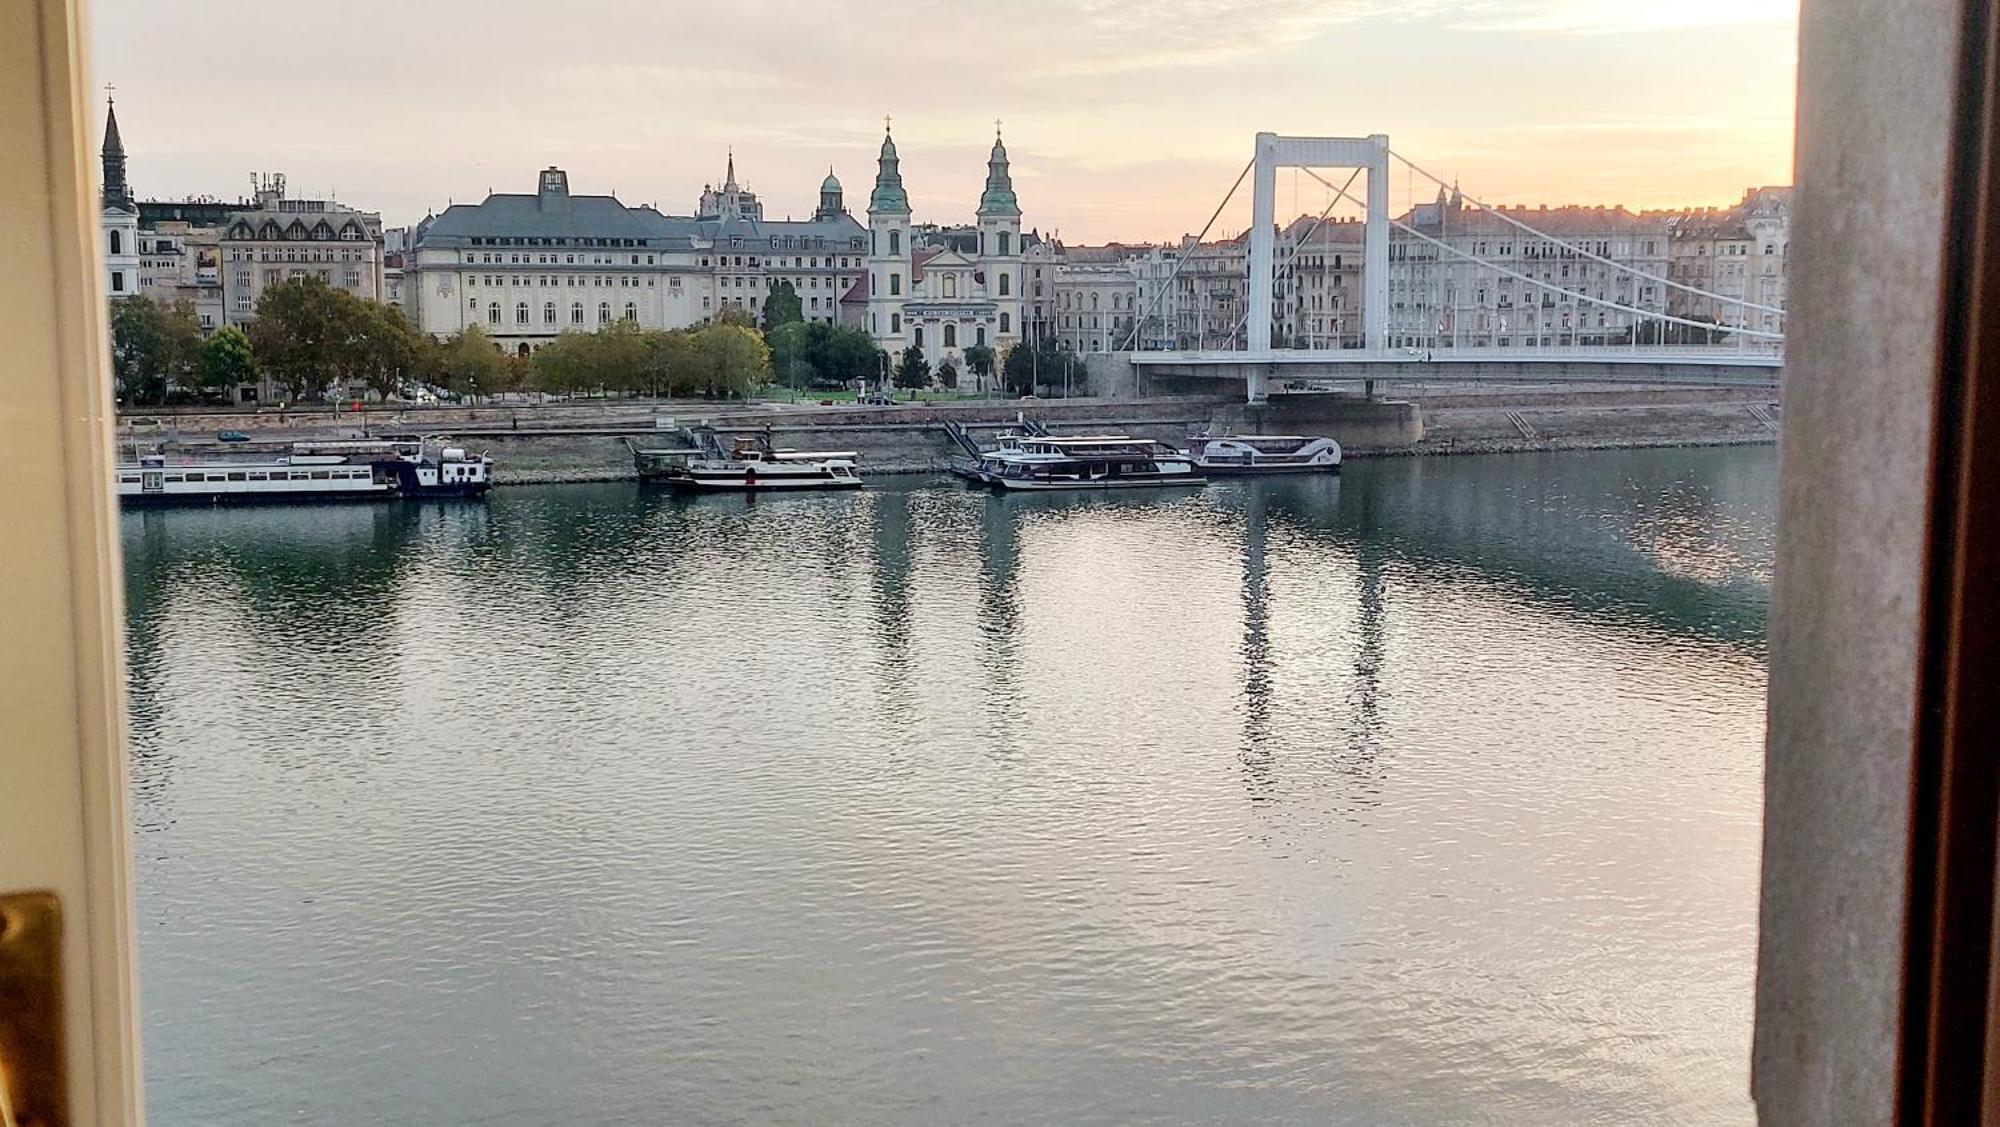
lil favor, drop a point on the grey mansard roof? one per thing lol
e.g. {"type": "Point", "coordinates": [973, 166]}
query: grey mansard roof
{"type": "Point", "coordinates": [766, 235]}
{"type": "Point", "coordinates": [522, 215]}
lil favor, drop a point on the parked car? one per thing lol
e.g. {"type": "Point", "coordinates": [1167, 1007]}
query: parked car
{"type": "Point", "coordinates": [232, 436]}
{"type": "Point", "coordinates": [877, 401]}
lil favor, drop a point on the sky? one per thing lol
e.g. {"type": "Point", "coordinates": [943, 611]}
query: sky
{"type": "Point", "coordinates": [1124, 119]}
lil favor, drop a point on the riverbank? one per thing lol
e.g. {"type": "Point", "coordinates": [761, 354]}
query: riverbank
{"type": "Point", "coordinates": [575, 443]}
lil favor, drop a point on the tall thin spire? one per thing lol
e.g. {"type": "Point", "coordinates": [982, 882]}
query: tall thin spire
{"type": "Point", "coordinates": [729, 180]}
{"type": "Point", "coordinates": [117, 193]}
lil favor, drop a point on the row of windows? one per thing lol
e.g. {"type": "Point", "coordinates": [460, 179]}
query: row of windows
{"type": "Point", "coordinates": [549, 312]}
{"type": "Point", "coordinates": [539, 241]}
{"type": "Point", "coordinates": [259, 475]}
{"type": "Point", "coordinates": [556, 281]}
{"type": "Point", "coordinates": [950, 330]}
{"type": "Point", "coordinates": [550, 259]}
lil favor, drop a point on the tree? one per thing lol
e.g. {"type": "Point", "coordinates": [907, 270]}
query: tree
{"type": "Point", "coordinates": [302, 335]}
{"type": "Point", "coordinates": [1028, 368]}
{"type": "Point", "coordinates": [470, 363]}
{"type": "Point", "coordinates": [947, 374]}
{"type": "Point", "coordinates": [730, 360]}
{"type": "Point", "coordinates": [848, 356]}
{"type": "Point", "coordinates": [913, 371]}
{"type": "Point", "coordinates": [385, 350]}
{"type": "Point", "coordinates": [1019, 370]}
{"type": "Point", "coordinates": [734, 315]}
{"type": "Point", "coordinates": [782, 307]}
{"type": "Point", "coordinates": [792, 351]}
{"type": "Point", "coordinates": [154, 347]}
{"type": "Point", "coordinates": [979, 361]}
{"type": "Point", "coordinates": [227, 362]}
{"type": "Point", "coordinates": [670, 367]}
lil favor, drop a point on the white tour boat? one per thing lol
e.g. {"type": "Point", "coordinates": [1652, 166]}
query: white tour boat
{"type": "Point", "coordinates": [751, 465]}
{"type": "Point", "coordinates": [1264, 454]}
{"type": "Point", "coordinates": [317, 471]}
{"type": "Point", "coordinates": [1101, 461]}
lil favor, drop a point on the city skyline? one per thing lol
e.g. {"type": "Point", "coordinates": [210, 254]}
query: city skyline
{"type": "Point", "coordinates": [1126, 123]}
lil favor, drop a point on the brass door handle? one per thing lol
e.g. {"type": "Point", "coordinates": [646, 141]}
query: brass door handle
{"type": "Point", "coordinates": [34, 1092]}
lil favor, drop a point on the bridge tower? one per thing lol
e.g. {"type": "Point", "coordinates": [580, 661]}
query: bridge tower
{"type": "Point", "coordinates": [1275, 152]}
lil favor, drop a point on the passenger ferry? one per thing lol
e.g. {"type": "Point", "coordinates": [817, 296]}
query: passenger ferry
{"type": "Point", "coordinates": [1264, 454]}
{"type": "Point", "coordinates": [315, 471]}
{"type": "Point", "coordinates": [750, 465]}
{"type": "Point", "coordinates": [1103, 461]}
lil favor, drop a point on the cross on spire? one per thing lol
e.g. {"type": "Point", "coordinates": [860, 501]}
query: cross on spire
{"type": "Point", "coordinates": [109, 89]}
{"type": "Point", "coordinates": [885, 123]}
{"type": "Point", "coordinates": [996, 129]}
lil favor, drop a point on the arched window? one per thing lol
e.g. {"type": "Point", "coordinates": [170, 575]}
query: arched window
{"type": "Point", "coordinates": [576, 313]}
{"type": "Point", "coordinates": [979, 335]}
{"type": "Point", "coordinates": [1093, 301]}
{"type": "Point", "coordinates": [548, 313]}
{"type": "Point", "coordinates": [951, 336]}
{"type": "Point", "coordinates": [631, 311]}
{"type": "Point", "coordinates": [1005, 285]}
{"type": "Point", "coordinates": [895, 242]}
{"type": "Point", "coordinates": [895, 323]}
{"type": "Point", "coordinates": [951, 285]}
{"type": "Point", "coordinates": [604, 313]}
{"type": "Point", "coordinates": [520, 313]}
{"type": "Point", "coordinates": [493, 313]}
{"type": "Point", "coordinates": [895, 283]}
{"type": "Point", "coordinates": [1003, 323]}
{"type": "Point", "coordinates": [919, 335]}
{"type": "Point", "coordinates": [1006, 246]}
{"type": "Point", "coordinates": [117, 242]}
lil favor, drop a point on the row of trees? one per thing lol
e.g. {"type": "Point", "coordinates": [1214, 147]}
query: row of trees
{"type": "Point", "coordinates": [719, 360]}
{"type": "Point", "coordinates": [309, 337]}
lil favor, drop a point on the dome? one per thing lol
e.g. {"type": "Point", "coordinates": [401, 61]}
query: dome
{"type": "Point", "coordinates": [830, 184]}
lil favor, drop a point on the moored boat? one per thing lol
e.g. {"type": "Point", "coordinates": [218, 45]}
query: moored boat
{"type": "Point", "coordinates": [750, 465]}
{"type": "Point", "coordinates": [1103, 461]}
{"type": "Point", "coordinates": [314, 472]}
{"type": "Point", "coordinates": [1264, 454]}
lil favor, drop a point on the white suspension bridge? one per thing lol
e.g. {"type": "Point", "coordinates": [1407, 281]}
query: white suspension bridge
{"type": "Point", "coordinates": [1750, 353]}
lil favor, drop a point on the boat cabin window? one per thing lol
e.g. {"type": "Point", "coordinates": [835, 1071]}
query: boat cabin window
{"type": "Point", "coordinates": [258, 476]}
{"type": "Point", "coordinates": [218, 477]}
{"type": "Point", "coordinates": [321, 475]}
{"type": "Point", "coordinates": [237, 476]}
{"type": "Point", "coordinates": [128, 479]}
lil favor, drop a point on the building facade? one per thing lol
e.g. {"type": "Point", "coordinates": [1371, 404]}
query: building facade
{"type": "Point", "coordinates": [280, 238]}
{"type": "Point", "coordinates": [1738, 254]}
{"type": "Point", "coordinates": [946, 292]}
{"type": "Point", "coordinates": [1096, 298]}
{"type": "Point", "coordinates": [527, 267]}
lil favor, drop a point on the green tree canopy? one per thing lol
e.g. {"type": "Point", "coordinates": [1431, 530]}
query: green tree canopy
{"type": "Point", "coordinates": [1028, 369]}
{"type": "Point", "coordinates": [729, 360]}
{"type": "Point", "coordinates": [154, 347]}
{"type": "Point", "coordinates": [471, 364]}
{"type": "Point", "coordinates": [782, 307]}
{"type": "Point", "coordinates": [792, 360]}
{"type": "Point", "coordinates": [947, 374]}
{"type": "Point", "coordinates": [913, 371]}
{"type": "Point", "coordinates": [979, 361]}
{"type": "Point", "coordinates": [302, 335]}
{"type": "Point", "coordinates": [227, 362]}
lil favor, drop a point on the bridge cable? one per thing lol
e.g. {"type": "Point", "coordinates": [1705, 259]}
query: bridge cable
{"type": "Point", "coordinates": [1649, 314]}
{"type": "Point", "coordinates": [1279, 270]}
{"type": "Point", "coordinates": [1181, 260]}
{"type": "Point", "coordinates": [1501, 212]}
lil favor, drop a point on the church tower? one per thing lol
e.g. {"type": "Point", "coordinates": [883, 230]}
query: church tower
{"type": "Point", "coordinates": [1000, 251]}
{"type": "Point", "coordinates": [888, 252]}
{"type": "Point", "coordinates": [118, 217]}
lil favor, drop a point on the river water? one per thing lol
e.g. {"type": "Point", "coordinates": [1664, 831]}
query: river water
{"type": "Point", "coordinates": [1428, 794]}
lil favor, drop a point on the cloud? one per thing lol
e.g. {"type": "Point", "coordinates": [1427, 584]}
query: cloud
{"type": "Point", "coordinates": [1606, 17]}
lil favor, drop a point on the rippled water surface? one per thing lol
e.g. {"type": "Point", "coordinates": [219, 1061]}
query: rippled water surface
{"type": "Point", "coordinates": [1428, 794]}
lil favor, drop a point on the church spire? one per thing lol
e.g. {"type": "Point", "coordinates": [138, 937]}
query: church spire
{"type": "Point", "coordinates": [888, 196]}
{"type": "Point", "coordinates": [116, 192]}
{"type": "Point", "coordinates": [729, 179]}
{"type": "Point", "coordinates": [998, 198]}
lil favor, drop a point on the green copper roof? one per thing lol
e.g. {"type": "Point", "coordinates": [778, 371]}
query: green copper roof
{"type": "Point", "coordinates": [830, 184]}
{"type": "Point", "coordinates": [998, 198]}
{"type": "Point", "coordinates": [888, 196]}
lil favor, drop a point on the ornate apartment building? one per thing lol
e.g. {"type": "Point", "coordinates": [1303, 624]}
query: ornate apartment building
{"type": "Point", "coordinates": [1737, 252]}
{"type": "Point", "coordinates": [279, 238]}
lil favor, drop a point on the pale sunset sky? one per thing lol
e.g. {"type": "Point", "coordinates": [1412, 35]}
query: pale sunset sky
{"type": "Point", "coordinates": [1124, 120]}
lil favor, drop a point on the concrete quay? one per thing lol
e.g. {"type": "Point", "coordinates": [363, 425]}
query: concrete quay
{"type": "Point", "coordinates": [588, 442]}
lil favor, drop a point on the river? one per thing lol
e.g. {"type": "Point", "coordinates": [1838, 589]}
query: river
{"type": "Point", "coordinates": [1426, 794]}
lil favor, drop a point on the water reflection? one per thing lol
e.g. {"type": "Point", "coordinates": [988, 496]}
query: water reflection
{"type": "Point", "coordinates": [1426, 794]}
